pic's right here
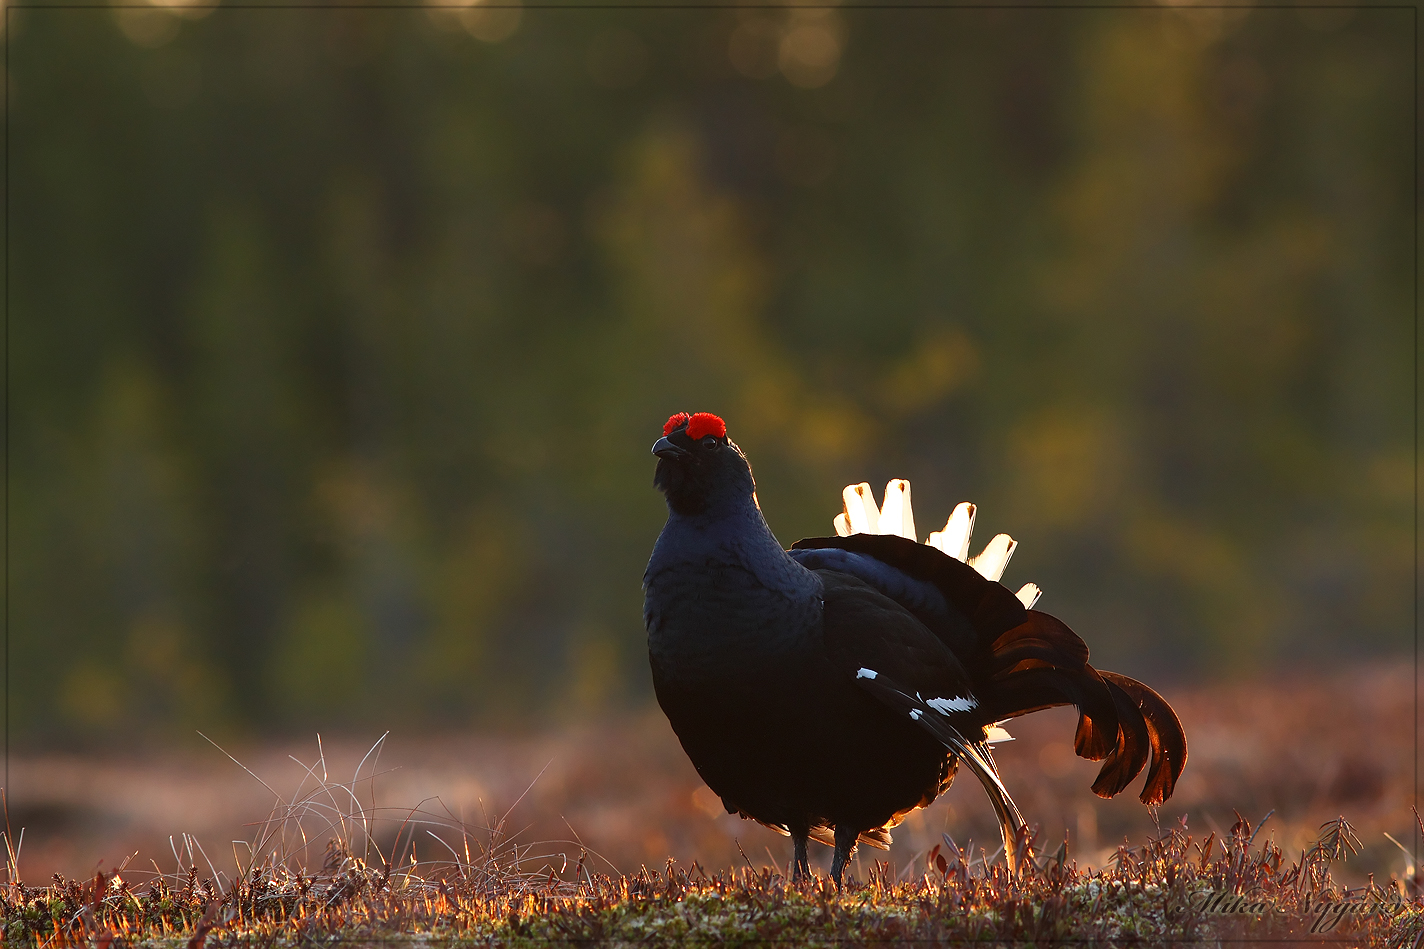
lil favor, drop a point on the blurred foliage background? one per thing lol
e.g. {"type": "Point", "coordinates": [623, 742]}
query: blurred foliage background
{"type": "Point", "coordinates": [338, 338]}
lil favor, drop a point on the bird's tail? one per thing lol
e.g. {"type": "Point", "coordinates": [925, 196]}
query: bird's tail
{"type": "Point", "coordinates": [1042, 663]}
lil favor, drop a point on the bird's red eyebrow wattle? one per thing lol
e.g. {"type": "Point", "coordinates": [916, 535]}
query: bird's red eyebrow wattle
{"type": "Point", "coordinates": [705, 423]}
{"type": "Point", "coordinates": [673, 422]}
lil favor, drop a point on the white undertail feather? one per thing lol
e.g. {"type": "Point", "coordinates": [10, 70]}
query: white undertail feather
{"type": "Point", "coordinates": [995, 734]}
{"type": "Point", "coordinates": [896, 516]}
{"type": "Point", "coordinates": [861, 513]}
{"type": "Point", "coordinates": [995, 557]}
{"type": "Point", "coordinates": [954, 539]}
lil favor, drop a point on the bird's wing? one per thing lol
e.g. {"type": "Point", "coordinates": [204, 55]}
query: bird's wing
{"type": "Point", "coordinates": [902, 664]}
{"type": "Point", "coordinates": [1018, 660]}
{"type": "Point", "coordinates": [963, 608]}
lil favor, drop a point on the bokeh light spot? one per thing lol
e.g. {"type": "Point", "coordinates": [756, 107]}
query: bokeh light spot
{"type": "Point", "coordinates": [491, 24]}
{"type": "Point", "coordinates": [810, 52]}
{"type": "Point", "coordinates": [146, 27]}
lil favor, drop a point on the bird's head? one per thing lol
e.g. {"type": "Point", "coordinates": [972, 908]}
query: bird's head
{"type": "Point", "coordinates": [699, 468]}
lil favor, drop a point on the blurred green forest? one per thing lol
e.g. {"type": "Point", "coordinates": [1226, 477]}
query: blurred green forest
{"type": "Point", "coordinates": [338, 338]}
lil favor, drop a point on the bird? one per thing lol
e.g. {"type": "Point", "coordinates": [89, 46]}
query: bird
{"type": "Point", "coordinates": [828, 690]}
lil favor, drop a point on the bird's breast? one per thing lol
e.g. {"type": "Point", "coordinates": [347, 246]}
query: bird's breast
{"type": "Point", "coordinates": [719, 615]}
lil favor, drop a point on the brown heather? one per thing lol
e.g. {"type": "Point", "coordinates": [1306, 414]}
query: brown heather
{"type": "Point", "coordinates": [488, 894]}
{"type": "Point", "coordinates": [329, 864]}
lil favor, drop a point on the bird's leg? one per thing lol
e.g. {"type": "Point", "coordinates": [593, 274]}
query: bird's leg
{"type": "Point", "coordinates": [800, 866]}
{"type": "Point", "coordinates": [845, 849]}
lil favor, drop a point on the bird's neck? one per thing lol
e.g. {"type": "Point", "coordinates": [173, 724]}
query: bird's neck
{"type": "Point", "coordinates": [732, 535]}
{"type": "Point", "coordinates": [720, 592]}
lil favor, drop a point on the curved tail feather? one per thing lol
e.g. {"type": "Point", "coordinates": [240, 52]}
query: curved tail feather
{"type": "Point", "coordinates": [1040, 638]}
{"type": "Point", "coordinates": [1011, 823]}
{"type": "Point", "coordinates": [1029, 690]}
{"type": "Point", "coordinates": [1129, 754]}
{"type": "Point", "coordinates": [1164, 735]}
{"type": "Point", "coordinates": [1042, 663]}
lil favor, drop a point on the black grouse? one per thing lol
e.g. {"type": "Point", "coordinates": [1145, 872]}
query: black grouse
{"type": "Point", "coordinates": [828, 690]}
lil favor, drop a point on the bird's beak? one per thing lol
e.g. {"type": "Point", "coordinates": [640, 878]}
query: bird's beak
{"type": "Point", "coordinates": [666, 449]}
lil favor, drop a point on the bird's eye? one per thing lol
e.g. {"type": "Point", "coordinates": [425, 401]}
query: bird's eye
{"type": "Point", "coordinates": [708, 441]}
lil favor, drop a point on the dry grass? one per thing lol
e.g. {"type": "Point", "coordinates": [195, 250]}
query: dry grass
{"type": "Point", "coordinates": [1154, 894]}
{"type": "Point", "coordinates": [608, 798]}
